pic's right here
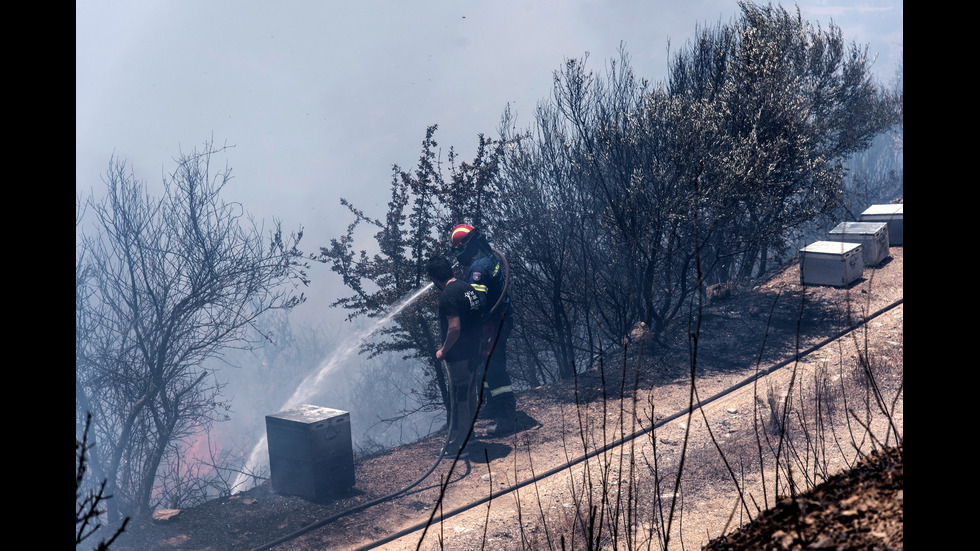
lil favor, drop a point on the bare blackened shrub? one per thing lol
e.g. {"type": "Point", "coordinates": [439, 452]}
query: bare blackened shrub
{"type": "Point", "coordinates": [772, 409]}
{"type": "Point", "coordinates": [186, 481]}
{"type": "Point", "coordinates": [826, 395]}
{"type": "Point", "coordinates": [810, 423]}
{"type": "Point", "coordinates": [89, 502]}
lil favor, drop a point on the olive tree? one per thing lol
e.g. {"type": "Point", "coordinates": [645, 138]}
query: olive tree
{"type": "Point", "coordinates": [625, 198]}
{"type": "Point", "coordinates": [796, 101]}
{"type": "Point", "coordinates": [543, 229]}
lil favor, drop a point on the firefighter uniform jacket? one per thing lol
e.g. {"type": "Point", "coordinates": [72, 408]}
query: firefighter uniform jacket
{"type": "Point", "coordinates": [487, 278]}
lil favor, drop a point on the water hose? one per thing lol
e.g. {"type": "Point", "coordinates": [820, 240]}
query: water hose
{"type": "Point", "coordinates": [503, 292]}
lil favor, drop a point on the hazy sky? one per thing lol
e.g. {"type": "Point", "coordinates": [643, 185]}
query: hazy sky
{"type": "Point", "coordinates": [321, 98]}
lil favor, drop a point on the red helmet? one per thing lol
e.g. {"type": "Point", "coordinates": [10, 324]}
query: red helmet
{"type": "Point", "coordinates": [461, 234]}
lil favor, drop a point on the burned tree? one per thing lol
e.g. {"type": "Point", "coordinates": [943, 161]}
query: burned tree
{"type": "Point", "coordinates": [649, 193]}
{"type": "Point", "coordinates": [162, 285]}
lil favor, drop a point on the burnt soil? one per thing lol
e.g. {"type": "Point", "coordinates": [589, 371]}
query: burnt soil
{"type": "Point", "coordinates": [856, 504]}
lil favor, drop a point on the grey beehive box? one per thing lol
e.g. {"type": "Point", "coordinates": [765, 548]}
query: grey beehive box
{"type": "Point", "coordinates": [833, 263]}
{"type": "Point", "coordinates": [873, 237]}
{"type": "Point", "coordinates": [892, 215]}
{"type": "Point", "coordinates": [310, 451]}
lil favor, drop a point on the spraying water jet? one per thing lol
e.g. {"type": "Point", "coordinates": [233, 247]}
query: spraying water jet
{"type": "Point", "coordinates": [311, 385]}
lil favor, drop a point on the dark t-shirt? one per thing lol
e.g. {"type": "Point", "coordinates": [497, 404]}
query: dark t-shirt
{"type": "Point", "coordinates": [459, 299]}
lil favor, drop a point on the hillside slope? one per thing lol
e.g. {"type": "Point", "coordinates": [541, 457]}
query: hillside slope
{"type": "Point", "coordinates": [631, 489]}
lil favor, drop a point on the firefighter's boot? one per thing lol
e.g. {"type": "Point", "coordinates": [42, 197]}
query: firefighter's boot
{"type": "Point", "coordinates": [490, 408]}
{"type": "Point", "coordinates": [504, 420]}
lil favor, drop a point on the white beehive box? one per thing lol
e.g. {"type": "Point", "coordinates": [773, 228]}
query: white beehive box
{"type": "Point", "coordinates": [831, 263]}
{"type": "Point", "coordinates": [873, 237]}
{"type": "Point", "coordinates": [891, 215]}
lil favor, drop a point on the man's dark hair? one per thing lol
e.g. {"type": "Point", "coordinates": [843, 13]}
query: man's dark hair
{"type": "Point", "coordinates": [439, 269]}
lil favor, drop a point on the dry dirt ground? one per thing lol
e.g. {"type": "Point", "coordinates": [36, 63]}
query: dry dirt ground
{"type": "Point", "coordinates": [613, 441]}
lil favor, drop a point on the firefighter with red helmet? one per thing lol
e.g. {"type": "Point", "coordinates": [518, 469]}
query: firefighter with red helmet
{"type": "Point", "coordinates": [485, 270]}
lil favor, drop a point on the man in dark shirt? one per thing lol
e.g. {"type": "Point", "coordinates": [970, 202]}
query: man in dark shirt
{"type": "Point", "coordinates": [461, 326]}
